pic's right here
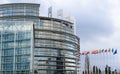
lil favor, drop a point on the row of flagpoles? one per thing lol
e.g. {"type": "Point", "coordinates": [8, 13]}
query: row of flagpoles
{"type": "Point", "coordinates": [112, 50]}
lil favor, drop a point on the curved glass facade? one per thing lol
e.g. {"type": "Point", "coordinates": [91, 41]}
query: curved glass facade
{"type": "Point", "coordinates": [52, 43]}
{"type": "Point", "coordinates": [19, 9]}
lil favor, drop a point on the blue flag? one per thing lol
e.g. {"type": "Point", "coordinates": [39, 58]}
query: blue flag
{"type": "Point", "coordinates": [112, 49]}
{"type": "Point", "coordinates": [106, 50]}
{"type": "Point", "coordinates": [115, 52]}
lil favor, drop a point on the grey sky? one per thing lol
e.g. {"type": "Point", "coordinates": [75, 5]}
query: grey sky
{"type": "Point", "coordinates": [97, 22]}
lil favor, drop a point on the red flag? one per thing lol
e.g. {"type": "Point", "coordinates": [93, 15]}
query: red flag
{"type": "Point", "coordinates": [86, 52]}
{"type": "Point", "coordinates": [102, 50]}
{"type": "Point", "coordinates": [109, 50]}
{"type": "Point", "coordinates": [95, 52]}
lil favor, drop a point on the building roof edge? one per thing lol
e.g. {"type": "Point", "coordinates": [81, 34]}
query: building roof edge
{"type": "Point", "coordinates": [19, 3]}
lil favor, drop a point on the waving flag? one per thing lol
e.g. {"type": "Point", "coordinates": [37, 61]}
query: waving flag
{"type": "Point", "coordinates": [106, 50]}
{"type": "Point", "coordinates": [115, 52]}
{"type": "Point", "coordinates": [95, 52]}
{"type": "Point", "coordinates": [86, 52]}
{"type": "Point", "coordinates": [109, 50]}
{"type": "Point", "coordinates": [82, 53]}
{"type": "Point", "coordinates": [102, 50]}
{"type": "Point", "coordinates": [112, 49]}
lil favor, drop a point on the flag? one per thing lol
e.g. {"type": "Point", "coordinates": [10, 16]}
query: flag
{"type": "Point", "coordinates": [82, 54]}
{"type": "Point", "coordinates": [109, 50]}
{"type": "Point", "coordinates": [112, 49]}
{"type": "Point", "coordinates": [115, 52]}
{"type": "Point", "coordinates": [102, 50]}
{"type": "Point", "coordinates": [86, 52]}
{"type": "Point", "coordinates": [99, 51]}
{"type": "Point", "coordinates": [106, 50]}
{"type": "Point", "coordinates": [95, 52]}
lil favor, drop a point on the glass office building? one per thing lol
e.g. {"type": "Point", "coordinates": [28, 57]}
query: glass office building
{"type": "Point", "coordinates": [32, 44]}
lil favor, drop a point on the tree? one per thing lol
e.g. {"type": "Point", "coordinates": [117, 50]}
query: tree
{"type": "Point", "coordinates": [99, 71]}
{"type": "Point", "coordinates": [106, 72]}
{"type": "Point", "coordinates": [83, 72]}
{"type": "Point", "coordinates": [112, 72]}
{"type": "Point", "coordinates": [109, 70]}
{"type": "Point", "coordinates": [35, 71]}
{"type": "Point", "coordinates": [115, 71]}
{"type": "Point", "coordinates": [93, 69]}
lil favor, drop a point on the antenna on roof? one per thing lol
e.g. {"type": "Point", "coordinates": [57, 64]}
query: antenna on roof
{"type": "Point", "coordinates": [50, 11]}
{"type": "Point", "coordinates": [60, 14]}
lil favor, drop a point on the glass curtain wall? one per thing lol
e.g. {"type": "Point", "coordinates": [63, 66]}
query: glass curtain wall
{"type": "Point", "coordinates": [55, 46]}
{"type": "Point", "coordinates": [15, 47]}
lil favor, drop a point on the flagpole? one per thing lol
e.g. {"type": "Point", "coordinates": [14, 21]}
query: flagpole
{"type": "Point", "coordinates": [107, 61]}
{"type": "Point", "coordinates": [110, 56]}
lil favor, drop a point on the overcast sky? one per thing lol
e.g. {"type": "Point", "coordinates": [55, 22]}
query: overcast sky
{"type": "Point", "coordinates": [97, 21]}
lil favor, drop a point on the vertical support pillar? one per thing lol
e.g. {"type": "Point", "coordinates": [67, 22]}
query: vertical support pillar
{"type": "Point", "coordinates": [14, 52]}
{"type": "Point", "coordinates": [1, 52]}
{"type": "Point", "coordinates": [32, 50]}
